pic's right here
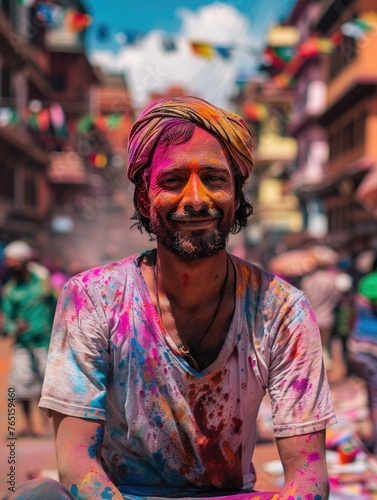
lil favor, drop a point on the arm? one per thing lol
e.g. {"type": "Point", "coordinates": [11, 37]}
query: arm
{"type": "Point", "coordinates": [304, 461]}
{"type": "Point", "coordinates": [78, 442]}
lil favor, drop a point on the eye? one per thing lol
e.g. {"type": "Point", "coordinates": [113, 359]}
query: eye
{"type": "Point", "coordinates": [214, 178]}
{"type": "Point", "coordinates": [171, 182]}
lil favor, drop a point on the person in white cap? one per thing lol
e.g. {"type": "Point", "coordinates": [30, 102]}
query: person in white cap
{"type": "Point", "coordinates": [28, 307]}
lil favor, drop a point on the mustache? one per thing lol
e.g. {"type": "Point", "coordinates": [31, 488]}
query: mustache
{"type": "Point", "coordinates": [214, 213]}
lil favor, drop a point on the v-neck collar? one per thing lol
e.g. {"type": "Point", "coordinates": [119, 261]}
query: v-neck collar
{"type": "Point", "coordinates": [165, 338]}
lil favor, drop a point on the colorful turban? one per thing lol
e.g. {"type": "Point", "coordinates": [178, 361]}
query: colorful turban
{"type": "Point", "coordinates": [157, 117]}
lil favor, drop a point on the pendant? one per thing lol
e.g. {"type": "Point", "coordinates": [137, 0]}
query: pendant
{"type": "Point", "coordinates": [184, 350]}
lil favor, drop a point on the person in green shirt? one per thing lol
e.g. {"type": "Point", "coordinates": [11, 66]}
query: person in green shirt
{"type": "Point", "coordinates": [28, 306]}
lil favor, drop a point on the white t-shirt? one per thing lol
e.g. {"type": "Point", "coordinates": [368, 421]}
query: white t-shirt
{"type": "Point", "coordinates": [171, 430]}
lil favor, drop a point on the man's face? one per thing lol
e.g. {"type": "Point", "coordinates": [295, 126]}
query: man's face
{"type": "Point", "coordinates": [192, 196]}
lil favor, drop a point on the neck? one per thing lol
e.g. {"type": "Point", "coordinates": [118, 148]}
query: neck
{"type": "Point", "coordinates": [190, 283]}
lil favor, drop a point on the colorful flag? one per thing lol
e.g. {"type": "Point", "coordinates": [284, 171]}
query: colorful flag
{"type": "Point", "coordinates": [357, 28]}
{"type": "Point", "coordinates": [113, 121]}
{"type": "Point", "coordinates": [224, 52]}
{"type": "Point", "coordinates": [8, 116]}
{"type": "Point", "coordinates": [32, 121]}
{"type": "Point", "coordinates": [44, 14]}
{"type": "Point", "coordinates": [283, 80]}
{"type": "Point", "coordinates": [43, 120]}
{"type": "Point", "coordinates": [77, 21]}
{"type": "Point", "coordinates": [84, 124]}
{"type": "Point", "coordinates": [100, 122]}
{"type": "Point", "coordinates": [202, 49]}
{"type": "Point", "coordinates": [254, 111]}
{"type": "Point", "coordinates": [314, 46]}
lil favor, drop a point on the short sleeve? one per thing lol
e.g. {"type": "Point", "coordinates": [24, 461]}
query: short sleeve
{"type": "Point", "coordinates": [78, 360]}
{"type": "Point", "coordinates": [300, 395]}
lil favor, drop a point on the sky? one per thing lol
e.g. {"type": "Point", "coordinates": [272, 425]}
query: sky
{"type": "Point", "coordinates": [147, 67]}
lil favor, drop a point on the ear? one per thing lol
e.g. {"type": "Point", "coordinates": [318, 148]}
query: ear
{"type": "Point", "coordinates": [143, 203]}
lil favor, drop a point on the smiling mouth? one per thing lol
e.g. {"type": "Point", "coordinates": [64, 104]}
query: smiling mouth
{"type": "Point", "coordinates": [196, 222]}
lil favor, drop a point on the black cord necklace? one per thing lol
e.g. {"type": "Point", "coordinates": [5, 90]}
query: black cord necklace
{"type": "Point", "coordinates": [184, 349]}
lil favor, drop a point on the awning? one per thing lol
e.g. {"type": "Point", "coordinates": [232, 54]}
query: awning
{"type": "Point", "coordinates": [302, 261]}
{"type": "Point", "coordinates": [362, 164]}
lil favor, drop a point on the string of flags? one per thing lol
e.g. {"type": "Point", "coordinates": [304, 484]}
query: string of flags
{"type": "Point", "coordinates": [282, 61]}
{"type": "Point", "coordinates": [52, 120]}
{"type": "Point", "coordinates": [56, 16]}
{"type": "Point", "coordinates": [131, 37]}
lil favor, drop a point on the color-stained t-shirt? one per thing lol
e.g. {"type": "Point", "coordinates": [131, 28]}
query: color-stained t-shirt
{"type": "Point", "coordinates": [171, 430]}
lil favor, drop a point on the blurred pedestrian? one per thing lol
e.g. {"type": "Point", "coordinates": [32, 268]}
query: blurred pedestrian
{"type": "Point", "coordinates": [324, 288]}
{"type": "Point", "coordinates": [362, 344]}
{"type": "Point", "coordinates": [28, 307]}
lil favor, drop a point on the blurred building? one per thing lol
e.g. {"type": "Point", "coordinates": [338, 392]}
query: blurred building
{"type": "Point", "coordinates": [63, 134]}
{"type": "Point", "coordinates": [312, 146]}
{"type": "Point", "coordinates": [312, 112]}
{"type": "Point", "coordinates": [347, 190]}
{"type": "Point", "coordinates": [25, 193]}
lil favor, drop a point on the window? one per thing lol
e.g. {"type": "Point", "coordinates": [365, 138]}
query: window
{"type": "Point", "coordinates": [31, 198]}
{"type": "Point", "coordinates": [351, 135]}
{"type": "Point", "coordinates": [6, 181]}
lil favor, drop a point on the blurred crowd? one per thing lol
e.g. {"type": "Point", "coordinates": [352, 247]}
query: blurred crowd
{"type": "Point", "coordinates": [343, 294]}
{"type": "Point", "coordinates": [29, 292]}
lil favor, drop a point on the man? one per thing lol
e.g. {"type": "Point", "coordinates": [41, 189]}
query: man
{"type": "Point", "coordinates": [159, 362]}
{"type": "Point", "coordinates": [28, 307]}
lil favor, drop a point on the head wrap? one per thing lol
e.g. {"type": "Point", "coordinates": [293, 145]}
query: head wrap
{"type": "Point", "coordinates": [157, 117]}
{"type": "Point", "coordinates": [368, 286]}
{"type": "Point", "coordinates": [19, 250]}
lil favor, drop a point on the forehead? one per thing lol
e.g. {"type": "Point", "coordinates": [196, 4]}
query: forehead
{"type": "Point", "coordinates": [202, 149]}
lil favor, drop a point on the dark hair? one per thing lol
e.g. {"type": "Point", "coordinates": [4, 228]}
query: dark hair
{"type": "Point", "coordinates": [178, 132]}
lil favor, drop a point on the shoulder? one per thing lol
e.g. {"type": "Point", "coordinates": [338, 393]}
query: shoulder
{"type": "Point", "coordinates": [263, 284]}
{"type": "Point", "coordinates": [108, 274]}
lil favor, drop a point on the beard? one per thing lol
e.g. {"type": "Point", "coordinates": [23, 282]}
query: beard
{"type": "Point", "coordinates": [196, 245]}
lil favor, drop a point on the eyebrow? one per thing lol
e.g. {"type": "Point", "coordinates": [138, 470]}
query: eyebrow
{"type": "Point", "coordinates": [179, 168]}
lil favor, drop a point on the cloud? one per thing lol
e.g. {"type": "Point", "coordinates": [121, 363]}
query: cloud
{"type": "Point", "coordinates": [148, 68]}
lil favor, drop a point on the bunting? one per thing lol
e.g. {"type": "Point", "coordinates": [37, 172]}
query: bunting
{"type": "Point", "coordinates": [281, 63]}
{"type": "Point", "coordinates": [56, 16]}
{"type": "Point", "coordinates": [53, 120]}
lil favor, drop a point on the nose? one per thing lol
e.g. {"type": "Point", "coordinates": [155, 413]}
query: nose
{"type": "Point", "coordinates": [195, 195]}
